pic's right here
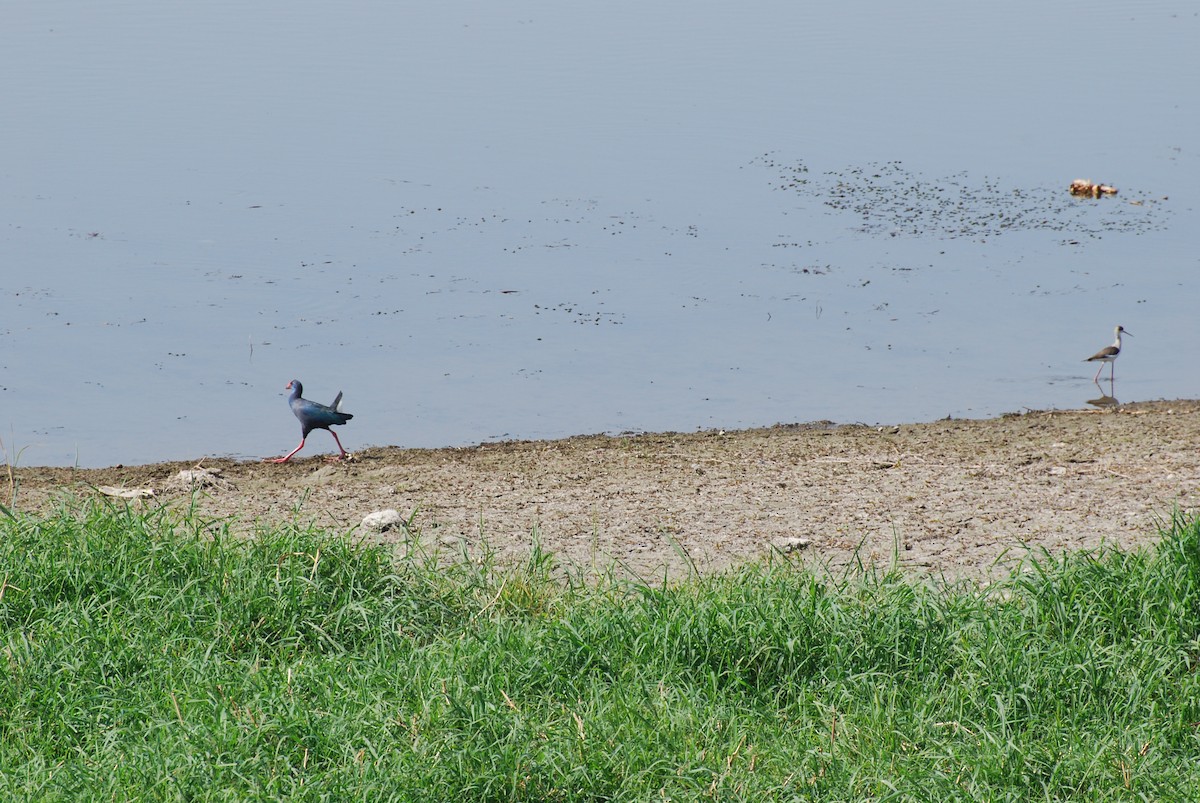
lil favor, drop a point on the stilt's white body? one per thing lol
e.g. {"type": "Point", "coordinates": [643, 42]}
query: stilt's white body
{"type": "Point", "coordinates": [1109, 354]}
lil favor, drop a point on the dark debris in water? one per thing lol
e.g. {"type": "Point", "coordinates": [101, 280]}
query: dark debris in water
{"type": "Point", "coordinates": [581, 316]}
{"type": "Point", "coordinates": [891, 200]}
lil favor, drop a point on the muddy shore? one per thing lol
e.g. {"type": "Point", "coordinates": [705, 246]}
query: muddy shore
{"type": "Point", "coordinates": [959, 498]}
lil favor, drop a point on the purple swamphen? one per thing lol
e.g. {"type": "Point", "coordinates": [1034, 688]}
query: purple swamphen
{"type": "Point", "coordinates": [314, 415]}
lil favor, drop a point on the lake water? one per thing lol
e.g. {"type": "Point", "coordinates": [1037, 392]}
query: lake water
{"type": "Point", "coordinates": [536, 219]}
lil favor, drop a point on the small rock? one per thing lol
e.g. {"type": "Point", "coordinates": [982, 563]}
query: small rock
{"type": "Point", "coordinates": [791, 544]}
{"type": "Point", "coordinates": [382, 520]}
{"type": "Point", "coordinates": [200, 477]}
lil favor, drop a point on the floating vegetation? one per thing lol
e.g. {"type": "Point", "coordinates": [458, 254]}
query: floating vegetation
{"type": "Point", "coordinates": [889, 199]}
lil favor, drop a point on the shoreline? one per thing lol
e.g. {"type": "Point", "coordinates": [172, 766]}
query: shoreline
{"type": "Point", "coordinates": [954, 497]}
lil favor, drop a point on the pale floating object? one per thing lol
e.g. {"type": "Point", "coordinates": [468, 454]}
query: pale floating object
{"type": "Point", "coordinates": [126, 493]}
{"type": "Point", "coordinates": [1083, 186]}
{"type": "Point", "coordinates": [382, 520]}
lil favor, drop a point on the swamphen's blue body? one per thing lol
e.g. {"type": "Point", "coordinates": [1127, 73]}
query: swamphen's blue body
{"type": "Point", "coordinates": [314, 415]}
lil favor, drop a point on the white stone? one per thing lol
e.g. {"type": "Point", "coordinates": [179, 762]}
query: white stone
{"type": "Point", "coordinates": [382, 520]}
{"type": "Point", "coordinates": [125, 493]}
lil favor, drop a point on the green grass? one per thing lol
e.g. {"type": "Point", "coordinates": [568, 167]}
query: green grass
{"type": "Point", "coordinates": [157, 658]}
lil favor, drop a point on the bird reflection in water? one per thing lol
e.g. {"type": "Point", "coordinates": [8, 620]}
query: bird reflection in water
{"type": "Point", "coordinates": [1104, 401]}
{"type": "Point", "coordinates": [1107, 399]}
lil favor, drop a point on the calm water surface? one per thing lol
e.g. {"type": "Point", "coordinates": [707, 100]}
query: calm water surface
{"type": "Point", "coordinates": [529, 220]}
